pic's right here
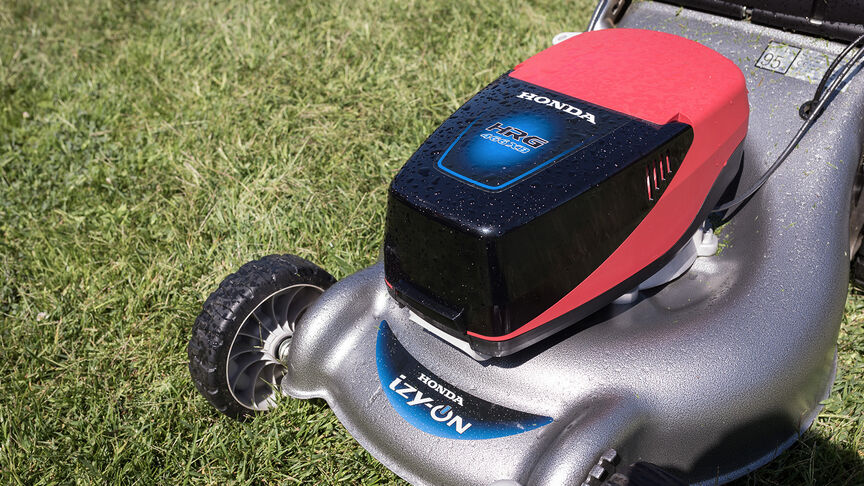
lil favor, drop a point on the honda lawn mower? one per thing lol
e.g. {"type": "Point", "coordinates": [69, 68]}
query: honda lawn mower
{"type": "Point", "coordinates": [624, 261]}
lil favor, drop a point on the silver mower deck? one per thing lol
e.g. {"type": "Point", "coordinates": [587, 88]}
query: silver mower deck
{"type": "Point", "coordinates": [710, 376]}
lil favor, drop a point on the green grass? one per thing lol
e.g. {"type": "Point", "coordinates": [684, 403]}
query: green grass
{"type": "Point", "coordinates": [148, 149]}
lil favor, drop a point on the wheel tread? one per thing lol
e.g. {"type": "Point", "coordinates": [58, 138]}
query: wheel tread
{"type": "Point", "coordinates": [224, 311]}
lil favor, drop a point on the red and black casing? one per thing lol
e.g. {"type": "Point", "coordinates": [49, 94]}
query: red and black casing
{"type": "Point", "coordinates": [562, 185]}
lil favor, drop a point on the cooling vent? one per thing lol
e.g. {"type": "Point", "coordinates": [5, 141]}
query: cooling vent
{"type": "Point", "coordinates": [658, 174]}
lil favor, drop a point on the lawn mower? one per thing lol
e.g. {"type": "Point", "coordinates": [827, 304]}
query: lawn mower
{"type": "Point", "coordinates": [624, 261]}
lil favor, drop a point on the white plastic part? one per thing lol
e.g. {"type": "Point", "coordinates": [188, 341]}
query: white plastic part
{"type": "Point", "coordinates": [561, 37]}
{"type": "Point", "coordinates": [704, 243]}
{"type": "Point", "coordinates": [459, 344]}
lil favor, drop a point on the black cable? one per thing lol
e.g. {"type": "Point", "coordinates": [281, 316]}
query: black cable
{"type": "Point", "coordinates": [805, 111]}
{"type": "Point", "coordinates": [822, 100]}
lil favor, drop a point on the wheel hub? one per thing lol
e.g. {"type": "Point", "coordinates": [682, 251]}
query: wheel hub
{"type": "Point", "coordinates": [254, 369]}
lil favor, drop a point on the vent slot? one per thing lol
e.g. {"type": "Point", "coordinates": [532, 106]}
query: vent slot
{"type": "Point", "coordinates": [648, 182]}
{"type": "Point", "coordinates": [658, 174]}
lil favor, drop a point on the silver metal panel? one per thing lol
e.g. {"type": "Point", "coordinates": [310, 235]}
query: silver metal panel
{"type": "Point", "coordinates": [713, 374]}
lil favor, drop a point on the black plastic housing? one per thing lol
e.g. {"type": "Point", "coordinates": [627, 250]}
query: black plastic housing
{"type": "Point", "coordinates": [836, 19]}
{"type": "Point", "coordinates": [480, 253]}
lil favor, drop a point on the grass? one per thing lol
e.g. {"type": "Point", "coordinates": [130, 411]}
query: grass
{"type": "Point", "coordinates": [148, 149]}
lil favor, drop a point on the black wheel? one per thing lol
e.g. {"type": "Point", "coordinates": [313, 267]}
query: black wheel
{"type": "Point", "coordinates": [245, 329]}
{"type": "Point", "coordinates": [857, 273]}
{"type": "Point", "coordinates": [856, 225]}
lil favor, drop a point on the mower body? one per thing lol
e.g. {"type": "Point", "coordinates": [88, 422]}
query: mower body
{"type": "Point", "coordinates": [709, 376]}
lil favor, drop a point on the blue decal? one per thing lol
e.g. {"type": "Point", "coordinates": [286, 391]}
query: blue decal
{"type": "Point", "coordinates": [519, 133]}
{"type": "Point", "coordinates": [434, 406]}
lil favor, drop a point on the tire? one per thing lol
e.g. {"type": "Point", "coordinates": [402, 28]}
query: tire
{"type": "Point", "coordinates": [856, 226]}
{"type": "Point", "coordinates": [239, 372]}
{"type": "Point", "coordinates": [857, 272]}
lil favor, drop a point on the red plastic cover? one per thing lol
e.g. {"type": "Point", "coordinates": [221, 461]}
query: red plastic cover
{"type": "Point", "coordinates": [659, 78]}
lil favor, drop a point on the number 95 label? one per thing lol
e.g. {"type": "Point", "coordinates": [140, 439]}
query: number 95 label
{"type": "Point", "coordinates": [778, 57]}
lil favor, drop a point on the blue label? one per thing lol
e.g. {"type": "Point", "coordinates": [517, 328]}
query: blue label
{"type": "Point", "coordinates": [434, 406]}
{"type": "Point", "coordinates": [520, 135]}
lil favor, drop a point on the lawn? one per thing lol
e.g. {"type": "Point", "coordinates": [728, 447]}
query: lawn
{"type": "Point", "coordinates": [148, 149]}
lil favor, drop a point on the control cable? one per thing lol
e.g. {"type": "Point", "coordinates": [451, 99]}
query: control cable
{"type": "Point", "coordinates": [821, 98]}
